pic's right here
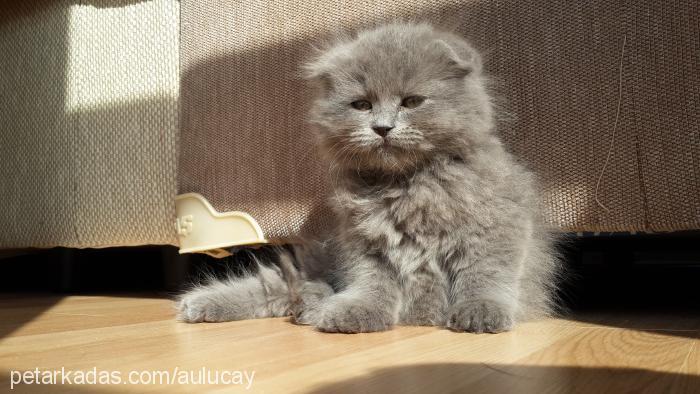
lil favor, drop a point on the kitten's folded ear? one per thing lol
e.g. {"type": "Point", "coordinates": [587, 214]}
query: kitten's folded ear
{"type": "Point", "coordinates": [462, 59]}
{"type": "Point", "coordinates": [321, 62]}
{"type": "Point", "coordinates": [314, 67]}
{"type": "Point", "coordinates": [316, 70]}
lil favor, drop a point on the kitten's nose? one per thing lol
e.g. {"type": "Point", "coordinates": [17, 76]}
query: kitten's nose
{"type": "Point", "coordinates": [382, 130]}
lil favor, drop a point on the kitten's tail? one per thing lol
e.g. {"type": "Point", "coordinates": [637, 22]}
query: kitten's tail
{"type": "Point", "coordinates": [273, 287]}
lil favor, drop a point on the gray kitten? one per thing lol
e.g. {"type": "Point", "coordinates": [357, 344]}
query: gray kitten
{"type": "Point", "coordinates": [437, 223]}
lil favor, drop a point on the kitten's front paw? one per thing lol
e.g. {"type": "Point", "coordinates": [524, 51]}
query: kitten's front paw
{"type": "Point", "coordinates": [480, 316]}
{"type": "Point", "coordinates": [307, 308]}
{"type": "Point", "coordinates": [197, 307]}
{"type": "Point", "coordinates": [353, 316]}
{"type": "Point", "coordinates": [306, 314]}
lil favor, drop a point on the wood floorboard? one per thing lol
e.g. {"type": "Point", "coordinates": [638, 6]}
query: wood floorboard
{"type": "Point", "coordinates": [587, 353]}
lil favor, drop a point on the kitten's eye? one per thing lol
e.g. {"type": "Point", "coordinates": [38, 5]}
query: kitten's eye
{"type": "Point", "coordinates": [412, 101]}
{"type": "Point", "coordinates": [361, 105]}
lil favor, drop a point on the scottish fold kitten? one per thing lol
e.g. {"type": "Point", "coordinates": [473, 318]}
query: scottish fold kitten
{"type": "Point", "coordinates": [437, 224]}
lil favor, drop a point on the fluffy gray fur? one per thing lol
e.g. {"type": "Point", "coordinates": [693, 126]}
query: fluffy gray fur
{"type": "Point", "coordinates": [437, 223]}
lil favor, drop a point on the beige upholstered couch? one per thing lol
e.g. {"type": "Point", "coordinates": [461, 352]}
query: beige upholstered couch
{"type": "Point", "coordinates": [89, 95]}
{"type": "Point", "coordinates": [104, 106]}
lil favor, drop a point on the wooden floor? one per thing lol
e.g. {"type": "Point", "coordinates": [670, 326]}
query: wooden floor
{"type": "Point", "coordinates": [600, 353]}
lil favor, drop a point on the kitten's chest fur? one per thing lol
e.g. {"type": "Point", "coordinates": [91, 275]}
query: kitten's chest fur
{"type": "Point", "coordinates": [411, 222]}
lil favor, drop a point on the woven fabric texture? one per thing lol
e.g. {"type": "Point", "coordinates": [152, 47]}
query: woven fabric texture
{"type": "Point", "coordinates": [88, 122]}
{"type": "Point", "coordinates": [556, 70]}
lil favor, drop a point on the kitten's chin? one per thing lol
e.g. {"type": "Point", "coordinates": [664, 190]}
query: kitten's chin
{"type": "Point", "coordinates": [382, 156]}
{"type": "Point", "coordinates": [390, 147]}
{"type": "Point", "coordinates": [395, 159]}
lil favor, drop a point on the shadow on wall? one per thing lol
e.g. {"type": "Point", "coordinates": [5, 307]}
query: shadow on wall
{"type": "Point", "coordinates": [246, 145]}
{"type": "Point", "coordinates": [491, 378]}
